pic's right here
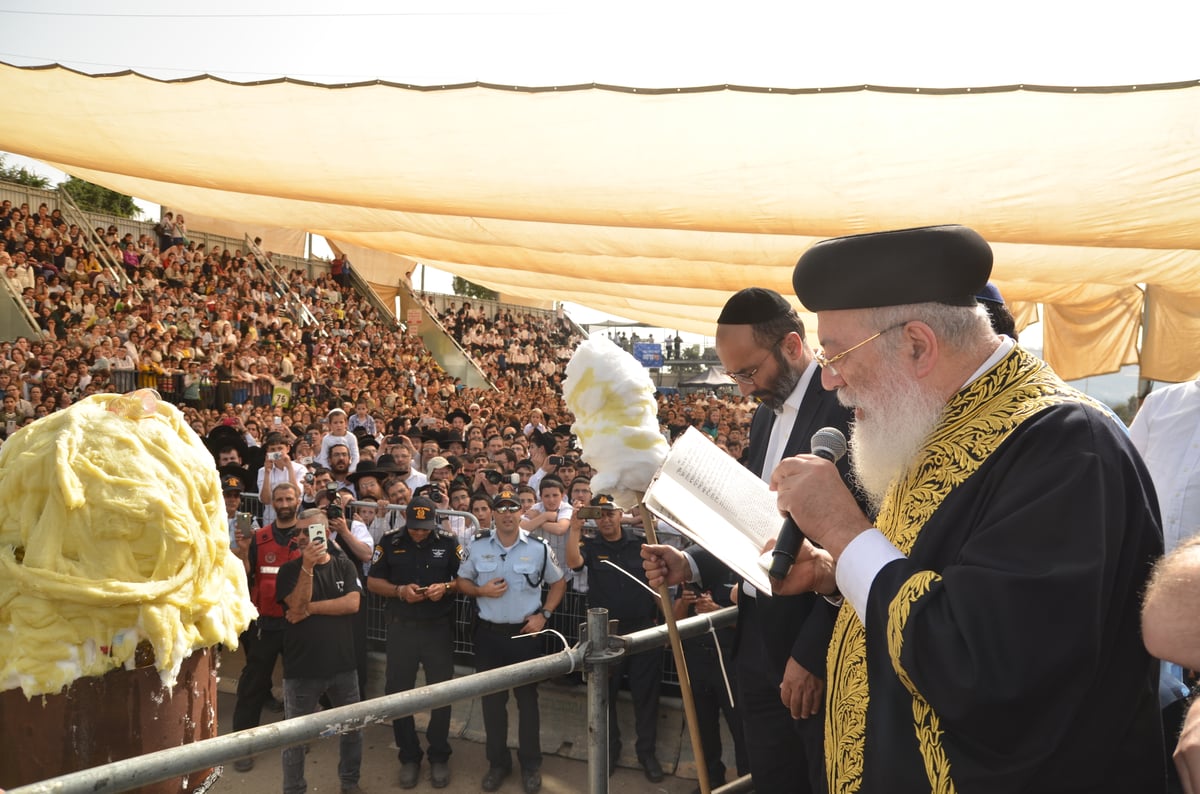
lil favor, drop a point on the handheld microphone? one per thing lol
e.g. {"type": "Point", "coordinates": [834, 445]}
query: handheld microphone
{"type": "Point", "coordinates": [828, 443]}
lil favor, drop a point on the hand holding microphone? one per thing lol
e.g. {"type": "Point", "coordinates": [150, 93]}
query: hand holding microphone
{"type": "Point", "coordinates": [828, 443]}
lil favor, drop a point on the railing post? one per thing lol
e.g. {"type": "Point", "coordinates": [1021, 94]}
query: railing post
{"type": "Point", "coordinates": [596, 660]}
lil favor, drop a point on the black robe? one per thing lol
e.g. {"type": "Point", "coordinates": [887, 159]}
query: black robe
{"type": "Point", "coordinates": [1004, 653]}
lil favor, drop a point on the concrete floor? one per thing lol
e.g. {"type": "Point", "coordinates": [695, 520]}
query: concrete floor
{"type": "Point", "coordinates": [564, 745]}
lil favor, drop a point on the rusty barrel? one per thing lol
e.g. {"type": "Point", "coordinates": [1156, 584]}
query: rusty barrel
{"type": "Point", "coordinates": [100, 719]}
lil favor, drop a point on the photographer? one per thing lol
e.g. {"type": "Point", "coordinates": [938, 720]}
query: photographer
{"type": "Point", "coordinates": [278, 468]}
{"type": "Point", "coordinates": [353, 539]}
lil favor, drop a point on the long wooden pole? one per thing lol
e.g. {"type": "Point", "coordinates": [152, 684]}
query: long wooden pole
{"type": "Point", "coordinates": [685, 682]}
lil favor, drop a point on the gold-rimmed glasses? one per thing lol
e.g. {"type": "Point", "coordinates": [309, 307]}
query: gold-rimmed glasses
{"type": "Point", "coordinates": [827, 363]}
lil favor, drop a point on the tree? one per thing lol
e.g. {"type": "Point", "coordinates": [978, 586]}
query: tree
{"type": "Point", "coordinates": [22, 176]}
{"type": "Point", "coordinates": [469, 290]}
{"type": "Point", "coordinates": [94, 198]}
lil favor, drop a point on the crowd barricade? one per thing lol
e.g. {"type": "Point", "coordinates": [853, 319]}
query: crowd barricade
{"type": "Point", "coordinates": [568, 618]}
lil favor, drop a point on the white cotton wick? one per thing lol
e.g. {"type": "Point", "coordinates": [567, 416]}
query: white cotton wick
{"type": "Point", "coordinates": [616, 419]}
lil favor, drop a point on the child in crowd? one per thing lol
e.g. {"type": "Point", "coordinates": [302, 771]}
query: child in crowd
{"type": "Point", "coordinates": [339, 433]}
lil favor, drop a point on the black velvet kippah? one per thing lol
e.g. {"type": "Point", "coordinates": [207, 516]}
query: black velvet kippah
{"type": "Point", "coordinates": [932, 264]}
{"type": "Point", "coordinates": [753, 305]}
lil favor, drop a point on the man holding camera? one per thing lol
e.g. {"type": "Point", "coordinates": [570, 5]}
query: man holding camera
{"type": "Point", "coordinates": [633, 607]}
{"type": "Point", "coordinates": [319, 594]}
{"type": "Point", "coordinates": [278, 467]}
{"type": "Point", "coordinates": [415, 571]}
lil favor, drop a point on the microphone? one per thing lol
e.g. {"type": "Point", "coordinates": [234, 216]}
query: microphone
{"type": "Point", "coordinates": [827, 443]}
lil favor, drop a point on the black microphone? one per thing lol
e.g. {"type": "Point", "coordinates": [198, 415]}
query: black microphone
{"type": "Point", "coordinates": [828, 443]}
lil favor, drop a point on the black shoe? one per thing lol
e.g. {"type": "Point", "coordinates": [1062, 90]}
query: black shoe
{"type": "Point", "coordinates": [243, 764]}
{"type": "Point", "coordinates": [409, 771]}
{"type": "Point", "coordinates": [653, 769]}
{"type": "Point", "coordinates": [494, 777]}
{"type": "Point", "coordinates": [439, 774]}
{"type": "Point", "coordinates": [531, 780]}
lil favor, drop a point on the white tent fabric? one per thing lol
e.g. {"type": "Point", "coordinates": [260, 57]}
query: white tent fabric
{"type": "Point", "coordinates": [657, 205]}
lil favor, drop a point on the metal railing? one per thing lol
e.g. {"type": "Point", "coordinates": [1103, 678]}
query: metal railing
{"type": "Point", "coordinates": [75, 215]}
{"type": "Point", "coordinates": [594, 655]}
{"type": "Point", "coordinates": [280, 284]}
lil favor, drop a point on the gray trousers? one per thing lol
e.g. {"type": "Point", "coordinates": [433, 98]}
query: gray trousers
{"type": "Point", "coordinates": [300, 696]}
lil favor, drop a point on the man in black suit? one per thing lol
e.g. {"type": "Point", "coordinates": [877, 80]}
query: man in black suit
{"type": "Point", "coordinates": [781, 641]}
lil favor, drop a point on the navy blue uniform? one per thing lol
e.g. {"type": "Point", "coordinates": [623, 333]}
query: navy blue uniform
{"type": "Point", "coordinates": [420, 634]}
{"type": "Point", "coordinates": [635, 609]}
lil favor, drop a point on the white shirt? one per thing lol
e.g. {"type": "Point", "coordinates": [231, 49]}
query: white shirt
{"type": "Point", "coordinates": [277, 476]}
{"type": "Point", "coordinates": [781, 431]}
{"type": "Point", "coordinates": [1167, 432]}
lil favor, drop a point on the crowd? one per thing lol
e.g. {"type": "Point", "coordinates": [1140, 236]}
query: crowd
{"type": "Point", "coordinates": [349, 425]}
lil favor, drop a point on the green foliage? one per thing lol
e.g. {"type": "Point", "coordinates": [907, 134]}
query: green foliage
{"type": "Point", "coordinates": [11, 173]}
{"type": "Point", "coordinates": [469, 290]}
{"type": "Point", "coordinates": [94, 198]}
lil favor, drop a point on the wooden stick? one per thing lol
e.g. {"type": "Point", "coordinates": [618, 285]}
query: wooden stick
{"type": "Point", "coordinates": [685, 683]}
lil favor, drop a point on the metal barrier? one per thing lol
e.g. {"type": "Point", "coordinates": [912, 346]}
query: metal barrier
{"type": "Point", "coordinates": [571, 613]}
{"type": "Point", "coordinates": [594, 655]}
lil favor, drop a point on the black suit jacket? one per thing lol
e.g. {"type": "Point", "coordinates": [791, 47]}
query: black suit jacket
{"type": "Point", "coordinates": [773, 628]}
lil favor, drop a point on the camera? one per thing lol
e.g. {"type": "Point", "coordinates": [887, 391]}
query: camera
{"type": "Point", "coordinates": [308, 478]}
{"type": "Point", "coordinates": [317, 532]}
{"type": "Point", "coordinates": [435, 494]}
{"type": "Point", "coordinates": [555, 460]}
{"type": "Point", "coordinates": [274, 455]}
{"type": "Point", "coordinates": [494, 477]}
{"type": "Point", "coordinates": [334, 512]}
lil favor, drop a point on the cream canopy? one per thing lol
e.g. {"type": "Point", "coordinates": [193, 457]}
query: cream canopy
{"type": "Point", "coordinates": [656, 205]}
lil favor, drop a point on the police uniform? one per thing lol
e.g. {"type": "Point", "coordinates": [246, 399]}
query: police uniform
{"type": "Point", "coordinates": [525, 566]}
{"type": "Point", "coordinates": [635, 609]}
{"type": "Point", "coordinates": [421, 633]}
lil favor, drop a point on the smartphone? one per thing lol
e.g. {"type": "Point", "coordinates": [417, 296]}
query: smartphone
{"type": "Point", "coordinates": [420, 590]}
{"type": "Point", "coordinates": [316, 532]}
{"type": "Point", "coordinates": [556, 460]}
{"type": "Point", "coordinates": [279, 420]}
{"type": "Point", "coordinates": [245, 522]}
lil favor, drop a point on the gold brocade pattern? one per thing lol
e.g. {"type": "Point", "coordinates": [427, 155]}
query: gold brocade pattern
{"type": "Point", "coordinates": [975, 422]}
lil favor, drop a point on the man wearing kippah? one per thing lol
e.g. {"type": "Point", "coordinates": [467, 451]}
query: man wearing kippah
{"type": "Point", "coordinates": [781, 641]}
{"type": "Point", "coordinates": [989, 638]}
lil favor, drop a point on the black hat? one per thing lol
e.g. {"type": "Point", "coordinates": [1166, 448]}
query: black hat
{"type": "Point", "coordinates": [544, 440]}
{"type": "Point", "coordinates": [754, 305]}
{"type": "Point", "coordinates": [421, 513]}
{"type": "Point", "coordinates": [223, 436]}
{"type": "Point", "coordinates": [563, 430]}
{"type": "Point", "coordinates": [368, 441]}
{"type": "Point", "coordinates": [932, 264]}
{"type": "Point", "coordinates": [386, 464]}
{"type": "Point", "coordinates": [605, 501]}
{"type": "Point", "coordinates": [506, 495]}
{"type": "Point", "coordinates": [458, 413]}
{"type": "Point", "coordinates": [233, 478]}
{"type": "Point", "coordinates": [365, 468]}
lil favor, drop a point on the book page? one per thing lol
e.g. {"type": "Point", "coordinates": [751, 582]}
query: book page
{"type": "Point", "coordinates": [716, 502]}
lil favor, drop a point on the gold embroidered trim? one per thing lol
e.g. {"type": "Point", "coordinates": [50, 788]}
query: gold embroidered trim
{"type": "Point", "coordinates": [975, 422]}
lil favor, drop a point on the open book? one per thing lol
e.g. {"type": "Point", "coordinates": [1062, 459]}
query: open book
{"type": "Point", "coordinates": [720, 504]}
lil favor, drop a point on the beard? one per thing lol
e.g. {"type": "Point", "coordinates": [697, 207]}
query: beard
{"type": "Point", "coordinates": [898, 416]}
{"type": "Point", "coordinates": [775, 395]}
{"type": "Point", "coordinates": [285, 514]}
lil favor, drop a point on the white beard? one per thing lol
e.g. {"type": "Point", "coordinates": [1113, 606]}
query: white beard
{"type": "Point", "coordinates": [898, 418]}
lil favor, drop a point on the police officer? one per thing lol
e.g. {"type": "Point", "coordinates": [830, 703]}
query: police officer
{"type": "Point", "coordinates": [505, 570]}
{"type": "Point", "coordinates": [415, 571]}
{"type": "Point", "coordinates": [634, 608]}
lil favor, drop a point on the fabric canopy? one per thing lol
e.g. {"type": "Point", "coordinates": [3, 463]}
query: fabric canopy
{"type": "Point", "coordinates": [656, 205]}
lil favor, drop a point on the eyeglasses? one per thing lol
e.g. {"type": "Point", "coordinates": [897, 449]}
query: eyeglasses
{"type": "Point", "coordinates": [508, 509]}
{"type": "Point", "coordinates": [827, 363]}
{"type": "Point", "coordinates": [747, 376]}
